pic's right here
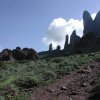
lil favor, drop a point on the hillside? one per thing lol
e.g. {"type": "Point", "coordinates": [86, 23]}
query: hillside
{"type": "Point", "coordinates": [78, 85]}
{"type": "Point", "coordinates": [19, 79]}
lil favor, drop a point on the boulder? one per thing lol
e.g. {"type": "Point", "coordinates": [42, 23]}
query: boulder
{"type": "Point", "coordinates": [25, 53]}
{"type": "Point", "coordinates": [5, 55]}
{"type": "Point", "coordinates": [18, 54]}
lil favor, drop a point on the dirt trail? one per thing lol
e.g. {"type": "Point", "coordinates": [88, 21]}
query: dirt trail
{"type": "Point", "coordinates": [76, 86]}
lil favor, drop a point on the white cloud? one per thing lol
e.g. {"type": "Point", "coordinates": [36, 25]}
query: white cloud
{"type": "Point", "coordinates": [60, 27]}
{"type": "Point", "coordinates": [0, 48]}
{"type": "Point", "coordinates": [93, 16]}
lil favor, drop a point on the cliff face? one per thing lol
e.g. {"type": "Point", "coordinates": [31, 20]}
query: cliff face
{"type": "Point", "coordinates": [73, 39]}
{"type": "Point", "coordinates": [87, 22]}
{"type": "Point", "coordinates": [91, 25]}
{"type": "Point", "coordinates": [97, 24]}
{"type": "Point", "coordinates": [88, 43]}
{"type": "Point", "coordinates": [66, 43]}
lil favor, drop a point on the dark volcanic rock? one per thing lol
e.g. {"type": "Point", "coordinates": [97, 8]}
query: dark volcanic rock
{"type": "Point", "coordinates": [30, 53]}
{"type": "Point", "coordinates": [91, 25]}
{"type": "Point", "coordinates": [5, 54]}
{"type": "Point", "coordinates": [74, 39]}
{"type": "Point", "coordinates": [88, 23]}
{"type": "Point", "coordinates": [58, 47]}
{"type": "Point", "coordinates": [97, 18]}
{"type": "Point", "coordinates": [97, 24]}
{"type": "Point", "coordinates": [88, 43]}
{"type": "Point", "coordinates": [66, 43]}
{"type": "Point", "coordinates": [19, 54]}
{"type": "Point", "coordinates": [50, 47]}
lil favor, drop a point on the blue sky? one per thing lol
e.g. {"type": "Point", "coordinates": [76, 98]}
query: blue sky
{"type": "Point", "coordinates": [26, 23]}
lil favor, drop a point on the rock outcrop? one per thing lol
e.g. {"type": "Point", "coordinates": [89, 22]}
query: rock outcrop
{"type": "Point", "coordinates": [66, 43]}
{"type": "Point", "coordinates": [90, 25]}
{"type": "Point", "coordinates": [5, 54]}
{"type": "Point", "coordinates": [19, 54]}
{"type": "Point", "coordinates": [87, 22]}
{"type": "Point", "coordinates": [30, 53]}
{"type": "Point", "coordinates": [58, 48]}
{"type": "Point", "coordinates": [50, 47]}
{"type": "Point", "coordinates": [97, 24]}
{"type": "Point", "coordinates": [74, 39]}
{"type": "Point", "coordinates": [88, 43]}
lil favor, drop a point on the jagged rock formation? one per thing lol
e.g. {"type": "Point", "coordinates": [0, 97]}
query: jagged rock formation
{"type": "Point", "coordinates": [19, 54]}
{"type": "Point", "coordinates": [88, 43]}
{"type": "Point", "coordinates": [58, 48]}
{"type": "Point", "coordinates": [90, 25]}
{"type": "Point", "coordinates": [50, 47]}
{"type": "Point", "coordinates": [5, 54]}
{"type": "Point", "coordinates": [97, 24]}
{"type": "Point", "coordinates": [73, 39]}
{"type": "Point", "coordinates": [30, 53]}
{"type": "Point", "coordinates": [66, 43]}
{"type": "Point", "coordinates": [87, 22]}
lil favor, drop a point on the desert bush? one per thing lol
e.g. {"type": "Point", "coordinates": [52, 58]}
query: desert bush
{"type": "Point", "coordinates": [48, 75]}
{"type": "Point", "coordinates": [47, 59]}
{"type": "Point", "coordinates": [57, 60]}
{"type": "Point", "coordinates": [3, 66]}
{"type": "Point", "coordinates": [27, 82]}
{"type": "Point", "coordinates": [97, 57]}
{"type": "Point", "coordinates": [62, 69]}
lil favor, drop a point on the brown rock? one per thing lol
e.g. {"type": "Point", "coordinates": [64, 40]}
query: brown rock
{"type": "Point", "coordinates": [91, 66]}
{"type": "Point", "coordinates": [63, 88]}
{"type": "Point", "coordinates": [84, 71]}
{"type": "Point", "coordinates": [50, 90]}
{"type": "Point", "coordinates": [83, 85]}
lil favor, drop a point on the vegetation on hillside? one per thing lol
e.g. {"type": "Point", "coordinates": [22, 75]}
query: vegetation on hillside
{"type": "Point", "coordinates": [18, 79]}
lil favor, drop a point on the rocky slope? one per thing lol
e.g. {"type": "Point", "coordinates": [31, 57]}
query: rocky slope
{"type": "Point", "coordinates": [76, 86]}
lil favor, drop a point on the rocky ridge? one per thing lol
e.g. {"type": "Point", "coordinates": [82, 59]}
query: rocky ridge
{"type": "Point", "coordinates": [89, 42]}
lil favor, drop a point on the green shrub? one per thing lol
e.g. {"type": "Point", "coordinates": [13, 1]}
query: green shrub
{"type": "Point", "coordinates": [27, 74]}
{"type": "Point", "coordinates": [62, 69]}
{"type": "Point", "coordinates": [2, 98]}
{"type": "Point", "coordinates": [27, 82]}
{"type": "Point", "coordinates": [57, 60]}
{"type": "Point", "coordinates": [48, 75]}
{"type": "Point", "coordinates": [19, 98]}
{"type": "Point", "coordinates": [3, 66]}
